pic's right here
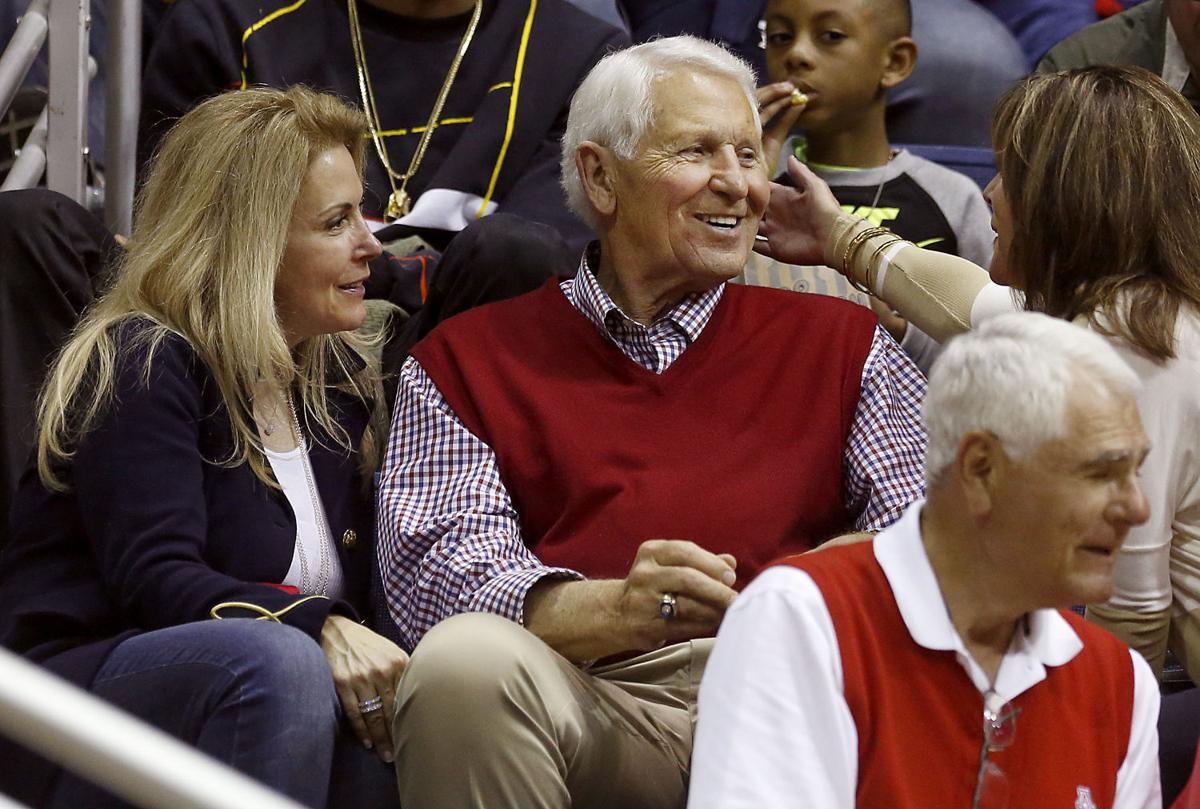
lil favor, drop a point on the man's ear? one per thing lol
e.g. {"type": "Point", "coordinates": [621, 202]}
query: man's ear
{"type": "Point", "coordinates": [900, 59]}
{"type": "Point", "coordinates": [980, 467]}
{"type": "Point", "coordinates": [596, 165]}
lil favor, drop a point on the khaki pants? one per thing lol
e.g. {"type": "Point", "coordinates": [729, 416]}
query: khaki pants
{"type": "Point", "coordinates": [489, 716]}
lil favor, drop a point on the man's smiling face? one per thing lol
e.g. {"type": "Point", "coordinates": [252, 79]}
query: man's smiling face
{"type": "Point", "coordinates": [696, 188]}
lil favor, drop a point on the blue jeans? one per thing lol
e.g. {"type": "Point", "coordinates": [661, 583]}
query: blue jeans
{"type": "Point", "coordinates": [255, 695]}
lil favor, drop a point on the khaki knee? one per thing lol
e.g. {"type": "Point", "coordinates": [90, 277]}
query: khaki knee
{"type": "Point", "coordinates": [475, 668]}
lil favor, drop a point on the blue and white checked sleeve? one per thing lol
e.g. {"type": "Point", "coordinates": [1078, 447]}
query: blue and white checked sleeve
{"type": "Point", "coordinates": [885, 452]}
{"type": "Point", "coordinates": [449, 538]}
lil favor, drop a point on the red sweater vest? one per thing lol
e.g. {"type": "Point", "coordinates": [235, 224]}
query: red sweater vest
{"type": "Point", "coordinates": [920, 719]}
{"type": "Point", "coordinates": [738, 446]}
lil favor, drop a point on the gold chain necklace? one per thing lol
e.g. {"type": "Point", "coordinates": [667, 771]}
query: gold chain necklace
{"type": "Point", "coordinates": [399, 203]}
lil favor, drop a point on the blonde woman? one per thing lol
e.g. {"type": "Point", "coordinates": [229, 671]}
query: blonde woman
{"type": "Point", "coordinates": [1096, 209]}
{"type": "Point", "coordinates": [194, 543]}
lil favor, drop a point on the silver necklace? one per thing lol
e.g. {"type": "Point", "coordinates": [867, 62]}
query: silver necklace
{"type": "Point", "coordinates": [322, 583]}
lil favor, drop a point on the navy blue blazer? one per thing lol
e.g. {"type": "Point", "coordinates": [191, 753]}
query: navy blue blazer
{"type": "Point", "coordinates": [154, 531]}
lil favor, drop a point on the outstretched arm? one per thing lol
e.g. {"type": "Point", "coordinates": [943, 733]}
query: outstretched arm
{"type": "Point", "coordinates": [941, 294]}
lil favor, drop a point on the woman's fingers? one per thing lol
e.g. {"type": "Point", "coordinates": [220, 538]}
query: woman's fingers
{"type": "Point", "coordinates": [350, 700]}
{"type": "Point", "coordinates": [387, 675]}
{"type": "Point", "coordinates": [374, 689]}
{"type": "Point", "coordinates": [384, 663]}
{"type": "Point", "coordinates": [365, 667]}
{"type": "Point", "coordinates": [375, 709]}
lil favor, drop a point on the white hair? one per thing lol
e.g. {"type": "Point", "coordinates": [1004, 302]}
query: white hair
{"type": "Point", "coordinates": [1012, 377]}
{"type": "Point", "coordinates": [614, 105]}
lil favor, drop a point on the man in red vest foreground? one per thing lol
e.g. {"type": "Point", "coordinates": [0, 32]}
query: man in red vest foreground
{"type": "Point", "coordinates": [590, 469]}
{"type": "Point", "coordinates": [931, 667]}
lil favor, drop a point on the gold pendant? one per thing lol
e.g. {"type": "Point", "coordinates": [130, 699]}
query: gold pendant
{"type": "Point", "coordinates": [398, 205]}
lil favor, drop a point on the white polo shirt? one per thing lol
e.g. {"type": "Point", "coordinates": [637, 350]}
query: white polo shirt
{"type": "Point", "coordinates": [774, 728]}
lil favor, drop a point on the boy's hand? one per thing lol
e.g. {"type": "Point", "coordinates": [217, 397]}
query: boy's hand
{"type": "Point", "coordinates": [779, 112]}
{"type": "Point", "coordinates": [798, 220]}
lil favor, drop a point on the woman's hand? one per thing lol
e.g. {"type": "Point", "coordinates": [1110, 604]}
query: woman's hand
{"type": "Point", "coordinates": [365, 666]}
{"type": "Point", "coordinates": [779, 112]}
{"type": "Point", "coordinates": [798, 220]}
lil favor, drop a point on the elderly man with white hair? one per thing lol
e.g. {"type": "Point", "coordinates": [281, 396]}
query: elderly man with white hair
{"type": "Point", "coordinates": [932, 667]}
{"type": "Point", "coordinates": [589, 469]}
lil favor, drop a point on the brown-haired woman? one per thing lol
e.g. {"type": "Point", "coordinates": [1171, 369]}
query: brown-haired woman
{"type": "Point", "coordinates": [204, 440]}
{"type": "Point", "coordinates": [1096, 208]}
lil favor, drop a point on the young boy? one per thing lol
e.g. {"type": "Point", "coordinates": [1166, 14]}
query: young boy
{"type": "Point", "coordinates": [832, 62]}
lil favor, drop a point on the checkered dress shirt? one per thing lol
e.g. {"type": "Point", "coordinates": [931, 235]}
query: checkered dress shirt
{"type": "Point", "coordinates": [449, 537]}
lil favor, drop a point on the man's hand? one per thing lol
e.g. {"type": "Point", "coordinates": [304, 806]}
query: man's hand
{"type": "Point", "coordinates": [701, 582]}
{"type": "Point", "coordinates": [586, 620]}
{"type": "Point", "coordinates": [798, 220]}
{"type": "Point", "coordinates": [365, 665]}
{"type": "Point", "coordinates": [889, 319]}
{"type": "Point", "coordinates": [779, 113]}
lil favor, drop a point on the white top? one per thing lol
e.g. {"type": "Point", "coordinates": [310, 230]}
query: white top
{"type": "Point", "coordinates": [294, 473]}
{"type": "Point", "coordinates": [1159, 564]}
{"type": "Point", "coordinates": [772, 690]}
{"type": "Point", "coordinates": [993, 300]}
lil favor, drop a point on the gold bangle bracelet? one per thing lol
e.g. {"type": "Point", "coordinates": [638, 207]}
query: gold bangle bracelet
{"type": "Point", "coordinates": [855, 242]}
{"type": "Point", "coordinates": [882, 248]}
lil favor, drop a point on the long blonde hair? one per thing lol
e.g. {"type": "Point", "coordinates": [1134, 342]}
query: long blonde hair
{"type": "Point", "coordinates": [210, 227]}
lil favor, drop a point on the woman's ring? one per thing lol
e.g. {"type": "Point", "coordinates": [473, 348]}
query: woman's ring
{"type": "Point", "coordinates": [666, 607]}
{"type": "Point", "coordinates": [370, 705]}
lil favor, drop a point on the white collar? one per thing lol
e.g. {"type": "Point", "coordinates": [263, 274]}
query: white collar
{"type": "Point", "coordinates": [1176, 69]}
{"type": "Point", "coordinates": [1050, 641]}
